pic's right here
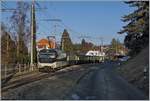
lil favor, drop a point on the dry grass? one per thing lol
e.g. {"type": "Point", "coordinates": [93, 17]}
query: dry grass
{"type": "Point", "coordinates": [133, 70]}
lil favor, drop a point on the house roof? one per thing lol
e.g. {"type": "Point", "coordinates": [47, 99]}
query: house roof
{"type": "Point", "coordinates": [45, 43]}
{"type": "Point", "coordinates": [42, 42]}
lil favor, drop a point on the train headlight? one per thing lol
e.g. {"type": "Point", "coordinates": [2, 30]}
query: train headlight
{"type": "Point", "coordinates": [52, 56]}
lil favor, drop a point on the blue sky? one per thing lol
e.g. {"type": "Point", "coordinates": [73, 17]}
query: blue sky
{"type": "Point", "coordinates": [94, 19]}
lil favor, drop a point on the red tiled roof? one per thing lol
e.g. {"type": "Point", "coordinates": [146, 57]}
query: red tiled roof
{"type": "Point", "coordinates": [44, 42]}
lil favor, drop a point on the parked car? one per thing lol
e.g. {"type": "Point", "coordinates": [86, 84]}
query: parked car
{"type": "Point", "coordinates": [125, 58]}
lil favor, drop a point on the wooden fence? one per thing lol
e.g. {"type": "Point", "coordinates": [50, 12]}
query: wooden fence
{"type": "Point", "coordinates": [8, 70]}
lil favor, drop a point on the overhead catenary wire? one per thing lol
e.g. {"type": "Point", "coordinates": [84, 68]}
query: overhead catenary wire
{"type": "Point", "coordinates": [4, 7]}
{"type": "Point", "coordinates": [3, 4]}
{"type": "Point", "coordinates": [59, 23]}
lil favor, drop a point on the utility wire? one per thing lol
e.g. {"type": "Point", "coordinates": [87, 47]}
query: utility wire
{"type": "Point", "coordinates": [72, 30]}
{"type": "Point", "coordinates": [64, 26]}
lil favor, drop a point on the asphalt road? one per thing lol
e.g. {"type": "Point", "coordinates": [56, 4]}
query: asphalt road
{"type": "Point", "coordinates": [84, 82]}
{"type": "Point", "coordinates": [104, 83]}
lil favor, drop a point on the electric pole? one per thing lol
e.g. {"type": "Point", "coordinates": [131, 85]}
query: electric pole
{"type": "Point", "coordinates": [53, 34]}
{"type": "Point", "coordinates": [101, 45]}
{"type": "Point", "coordinates": [52, 38]}
{"type": "Point", "coordinates": [53, 20]}
{"type": "Point", "coordinates": [117, 46]}
{"type": "Point", "coordinates": [33, 35]}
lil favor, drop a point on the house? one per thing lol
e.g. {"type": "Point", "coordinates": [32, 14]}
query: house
{"type": "Point", "coordinates": [95, 53]}
{"type": "Point", "coordinates": [45, 44]}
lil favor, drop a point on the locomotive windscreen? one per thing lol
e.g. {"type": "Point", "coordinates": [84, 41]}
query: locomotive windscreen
{"type": "Point", "coordinates": [47, 56]}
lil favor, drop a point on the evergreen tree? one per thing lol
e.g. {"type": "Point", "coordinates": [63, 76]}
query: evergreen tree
{"type": "Point", "coordinates": [114, 44]}
{"type": "Point", "coordinates": [66, 43]}
{"type": "Point", "coordinates": [83, 45]}
{"type": "Point", "coordinates": [77, 47]}
{"type": "Point", "coordinates": [137, 28]}
{"type": "Point", "coordinates": [116, 47]}
{"type": "Point", "coordinates": [86, 46]}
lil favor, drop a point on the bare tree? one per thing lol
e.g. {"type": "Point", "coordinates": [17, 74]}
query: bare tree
{"type": "Point", "coordinates": [8, 46]}
{"type": "Point", "coordinates": [20, 29]}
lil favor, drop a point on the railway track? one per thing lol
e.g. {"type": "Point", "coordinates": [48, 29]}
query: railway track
{"type": "Point", "coordinates": [20, 82]}
{"type": "Point", "coordinates": [38, 76]}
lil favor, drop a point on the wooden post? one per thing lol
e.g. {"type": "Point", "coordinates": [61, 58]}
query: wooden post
{"type": "Point", "coordinates": [5, 71]}
{"type": "Point", "coordinates": [19, 67]}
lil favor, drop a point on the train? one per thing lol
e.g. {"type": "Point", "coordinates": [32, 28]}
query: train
{"type": "Point", "coordinates": [51, 60]}
{"type": "Point", "coordinates": [54, 59]}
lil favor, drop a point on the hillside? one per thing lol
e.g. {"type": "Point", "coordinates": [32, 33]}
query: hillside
{"type": "Point", "coordinates": [133, 70]}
